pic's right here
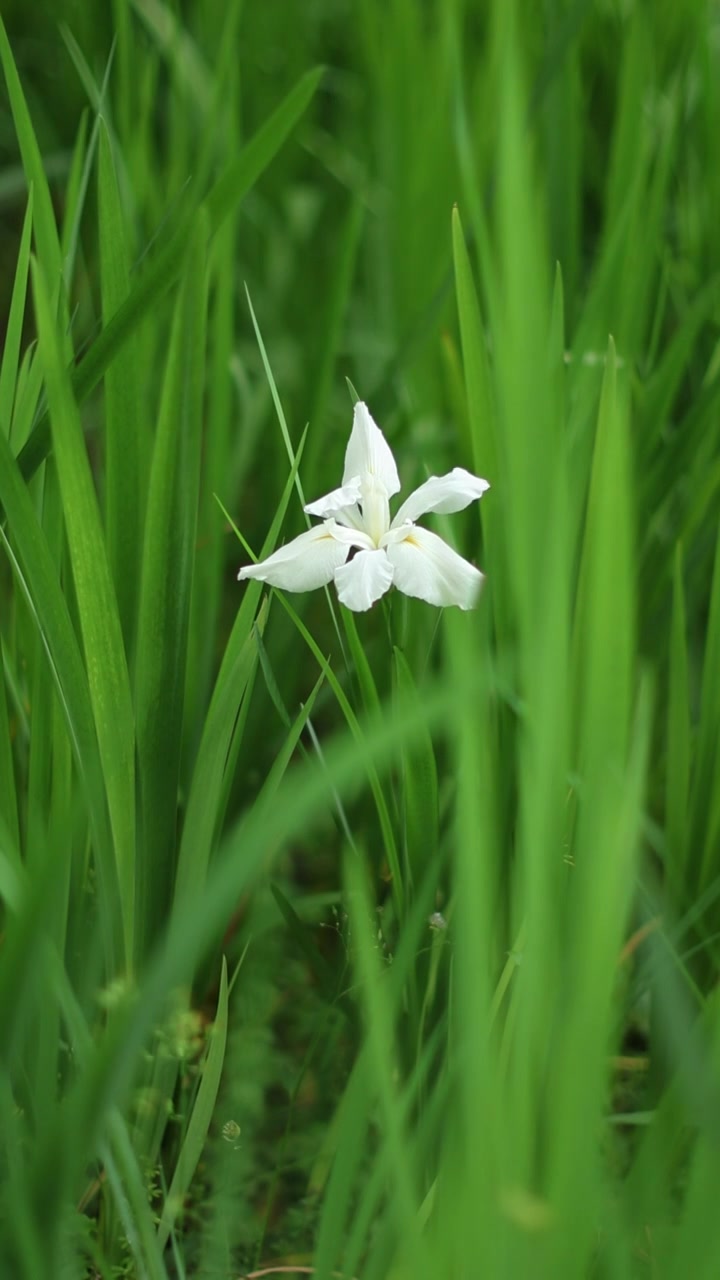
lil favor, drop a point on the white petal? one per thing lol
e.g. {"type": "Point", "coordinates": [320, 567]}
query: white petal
{"type": "Point", "coordinates": [333, 504]}
{"type": "Point", "coordinates": [350, 537]}
{"type": "Point", "coordinates": [426, 567]}
{"type": "Point", "coordinates": [368, 452]}
{"type": "Point", "coordinates": [307, 562]}
{"type": "Point", "coordinates": [364, 579]}
{"type": "Point", "coordinates": [444, 494]}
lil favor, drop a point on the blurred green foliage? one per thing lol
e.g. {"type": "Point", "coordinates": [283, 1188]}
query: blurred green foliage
{"type": "Point", "coordinates": [383, 944]}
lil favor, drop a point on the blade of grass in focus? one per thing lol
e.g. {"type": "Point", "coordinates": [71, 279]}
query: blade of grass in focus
{"type": "Point", "coordinates": [102, 636]}
{"type": "Point", "coordinates": [164, 605]}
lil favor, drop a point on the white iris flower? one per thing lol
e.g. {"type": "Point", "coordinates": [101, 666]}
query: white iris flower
{"type": "Point", "coordinates": [363, 551]}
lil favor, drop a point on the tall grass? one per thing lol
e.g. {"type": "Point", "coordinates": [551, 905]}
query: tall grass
{"type": "Point", "coordinates": [381, 945]}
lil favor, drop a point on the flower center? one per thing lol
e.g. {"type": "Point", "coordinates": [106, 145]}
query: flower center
{"type": "Point", "coordinates": [375, 509]}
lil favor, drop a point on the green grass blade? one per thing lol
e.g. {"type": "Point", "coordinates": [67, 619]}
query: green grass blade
{"type": "Point", "coordinates": [419, 779]}
{"type": "Point", "coordinates": [201, 1116]}
{"type": "Point", "coordinates": [705, 798]}
{"type": "Point", "coordinates": [219, 438]}
{"type": "Point", "coordinates": [519, 312]}
{"type": "Point", "coordinates": [102, 636]}
{"type": "Point", "coordinates": [8, 795]}
{"type": "Point", "coordinates": [285, 754]}
{"type": "Point", "coordinates": [27, 396]}
{"type": "Point", "coordinates": [12, 871]}
{"type": "Point", "coordinates": [276, 399]}
{"type": "Point", "coordinates": [334, 320]}
{"type": "Point", "coordinates": [557, 343]}
{"type": "Point", "coordinates": [128, 1185]}
{"type": "Point", "coordinates": [76, 193]}
{"type": "Point", "coordinates": [97, 96]}
{"type": "Point", "coordinates": [123, 473]}
{"type": "Point", "coordinates": [221, 122]}
{"type": "Point", "coordinates": [476, 847]}
{"type": "Point", "coordinates": [381, 805]}
{"type": "Point", "coordinates": [605, 613]}
{"type": "Point", "coordinates": [37, 576]}
{"type": "Point", "coordinates": [120, 1162]}
{"type": "Point", "coordinates": [177, 46]}
{"type": "Point", "coordinates": [13, 333]}
{"type": "Point", "coordinates": [601, 895]}
{"type": "Point", "coordinates": [628, 140]}
{"type": "Point", "coordinates": [481, 410]}
{"type": "Point", "coordinates": [167, 571]}
{"type": "Point", "coordinates": [46, 235]}
{"type": "Point", "coordinates": [125, 71]}
{"type": "Point", "coordinates": [368, 688]}
{"type": "Point", "coordinates": [256, 155]}
{"type": "Point", "coordinates": [41, 749]}
{"type": "Point", "coordinates": [268, 675]}
{"type": "Point", "coordinates": [285, 433]}
{"type": "Point", "coordinates": [383, 1069]}
{"type": "Point", "coordinates": [660, 391]}
{"type": "Point", "coordinates": [475, 359]}
{"type": "Point", "coordinates": [677, 769]}
{"type": "Point", "coordinates": [221, 736]}
{"type": "Point", "coordinates": [205, 800]}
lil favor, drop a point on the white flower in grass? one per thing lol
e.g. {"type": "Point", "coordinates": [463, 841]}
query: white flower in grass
{"type": "Point", "coordinates": [363, 551]}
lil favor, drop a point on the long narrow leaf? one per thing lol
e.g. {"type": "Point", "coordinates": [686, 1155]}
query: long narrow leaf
{"type": "Point", "coordinates": [677, 770]}
{"type": "Point", "coordinates": [8, 796]}
{"type": "Point", "coordinates": [201, 1117]}
{"type": "Point", "coordinates": [43, 217]}
{"type": "Point", "coordinates": [102, 636]}
{"type": "Point", "coordinates": [123, 484]}
{"type": "Point", "coordinates": [167, 571]}
{"type": "Point", "coordinates": [13, 336]}
{"type": "Point", "coordinates": [37, 578]}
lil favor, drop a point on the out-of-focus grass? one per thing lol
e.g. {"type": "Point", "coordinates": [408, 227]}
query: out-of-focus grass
{"type": "Point", "coordinates": [382, 944]}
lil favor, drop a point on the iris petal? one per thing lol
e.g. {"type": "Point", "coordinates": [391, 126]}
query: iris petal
{"type": "Point", "coordinates": [427, 568]}
{"type": "Point", "coordinates": [364, 579]}
{"type": "Point", "coordinates": [340, 503]}
{"type": "Point", "coordinates": [444, 494]}
{"type": "Point", "coordinates": [307, 562]}
{"type": "Point", "coordinates": [369, 454]}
